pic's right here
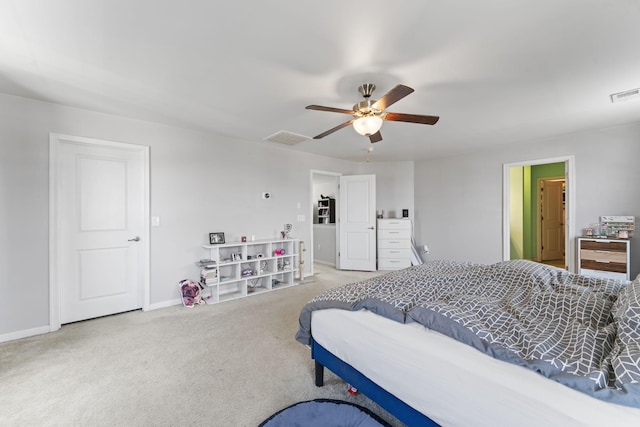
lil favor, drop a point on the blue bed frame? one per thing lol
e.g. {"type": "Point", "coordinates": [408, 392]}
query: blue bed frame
{"type": "Point", "coordinates": [396, 407]}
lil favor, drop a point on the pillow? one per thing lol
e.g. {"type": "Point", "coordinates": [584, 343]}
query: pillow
{"type": "Point", "coordinates": [626, 313]}
{"type": "Point", "coordinates": [626, 365]}
{"type": "Point", "coordinates": [626, 355]}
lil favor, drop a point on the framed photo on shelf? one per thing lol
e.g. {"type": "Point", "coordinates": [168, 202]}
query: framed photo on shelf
{"type": "Point", "coordinates": [216, 238]}
{"type": "Point", "coordinates": [236, 256]}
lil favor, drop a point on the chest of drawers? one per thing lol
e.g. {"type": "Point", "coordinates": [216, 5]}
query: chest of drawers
{"type": "Point", "coordinates": [394, 244]}
{"type": "Point", "coordinates": [603, 258]}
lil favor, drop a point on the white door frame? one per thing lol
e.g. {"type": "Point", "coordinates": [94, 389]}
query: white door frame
{"type": "Point", "coordinates": [570, 177]}
{"type": "Point", "coordinates": [310, 247]}
{"type": "Point", "coordinates": [54, 286]}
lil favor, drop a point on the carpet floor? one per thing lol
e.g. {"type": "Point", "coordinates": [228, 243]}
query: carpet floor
{"type": "Point", "coordinates": [227, 364]}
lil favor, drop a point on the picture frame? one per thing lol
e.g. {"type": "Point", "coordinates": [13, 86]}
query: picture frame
{"type": "Point", "coordinates": [236, 256]}
{"type": "Point", "coordinates": [216, 238]}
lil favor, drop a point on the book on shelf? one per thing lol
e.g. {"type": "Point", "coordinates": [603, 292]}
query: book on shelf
{"type": "Point", "coordinates": [207, 263]}
{"type": "Point", "coordinates": [209, 276]}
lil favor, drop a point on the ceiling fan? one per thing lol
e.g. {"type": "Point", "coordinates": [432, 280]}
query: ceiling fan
{"type": "Point", "coordinates": [368, 115]}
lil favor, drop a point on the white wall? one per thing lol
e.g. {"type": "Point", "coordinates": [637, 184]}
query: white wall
{"type": "Point", "coordinates": [200, 183]}
{"type": "Point", "coordinates": [459, 199]}
{"type": "Point", "coordinates": [394, 186]}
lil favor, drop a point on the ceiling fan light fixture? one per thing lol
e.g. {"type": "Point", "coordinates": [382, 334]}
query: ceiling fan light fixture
{"type": "Point", "coordinates": [367, 125]}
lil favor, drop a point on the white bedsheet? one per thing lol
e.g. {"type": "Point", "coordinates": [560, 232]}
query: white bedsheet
{"type": "Point", "coordinates": [452, 383]}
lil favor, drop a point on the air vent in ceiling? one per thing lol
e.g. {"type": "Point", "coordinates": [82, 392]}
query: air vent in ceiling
{"type": "Point", "coordinates": [627, 95]}
{"type": "Point", "coordinates": [288, 138]}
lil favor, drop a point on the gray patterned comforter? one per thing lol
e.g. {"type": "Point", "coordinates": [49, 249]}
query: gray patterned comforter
{"type": "Point", "coordinates": [582, 332]}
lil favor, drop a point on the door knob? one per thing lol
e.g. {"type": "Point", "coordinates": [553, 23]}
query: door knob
{"type": "Point", "coordinates": [135, 239]}
{"type": "Point", "coordinates": [371, 228]}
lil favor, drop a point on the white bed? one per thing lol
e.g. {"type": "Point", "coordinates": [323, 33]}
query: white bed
{"type": "Point", "coordinates": [452, 383]}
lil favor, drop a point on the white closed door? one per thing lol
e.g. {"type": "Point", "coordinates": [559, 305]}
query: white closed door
{"type": "Point", "coordinates": [100, 220]}
{"type": "Point", "coordinates": [358, 222]}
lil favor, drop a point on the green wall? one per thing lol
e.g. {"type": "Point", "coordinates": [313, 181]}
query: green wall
{"type": "Point", "coordinates": [523, 237]}
{"type": "Point", "coordinates": [550, 170]}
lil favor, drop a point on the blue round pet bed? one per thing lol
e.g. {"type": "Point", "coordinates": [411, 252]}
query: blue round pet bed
{"type": "Point", "coordinates": [324, 413]}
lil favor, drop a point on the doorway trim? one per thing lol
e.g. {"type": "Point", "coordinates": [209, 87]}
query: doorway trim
{"type": "Point", "coordinates": [569, 236]}
{"type": "Point", "coordinates": [312, 173]}
{"type": "Point", "coordinates": [55, 141]}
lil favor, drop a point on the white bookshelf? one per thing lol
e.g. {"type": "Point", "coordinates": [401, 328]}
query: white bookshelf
{"type": "Point", "coordinates": [257, 267]}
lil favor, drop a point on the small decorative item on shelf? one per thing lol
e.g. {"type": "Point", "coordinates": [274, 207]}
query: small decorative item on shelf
{"type": "Point", "coordinates": [279, 252]}
{"type": "Point", "coordinates": [236, 256]}
{"type": "Point", "coordinates": [263, 267]}
{"type": "Point", "coordinates": [216, 238]}
{"type": "Point", "coordinates": [287, 230]}
{"type": "Point", "coordinates": [243, 239]}
{"type": "Point", "coordinates": [615, 224]}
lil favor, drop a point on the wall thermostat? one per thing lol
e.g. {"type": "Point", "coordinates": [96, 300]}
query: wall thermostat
{"type": "Point", "coordinates": [266, 195]}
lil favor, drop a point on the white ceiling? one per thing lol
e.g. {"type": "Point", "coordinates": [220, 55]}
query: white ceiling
{"type": "Point", "coordinates": [495, 71]}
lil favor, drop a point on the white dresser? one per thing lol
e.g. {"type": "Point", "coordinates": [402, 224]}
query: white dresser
{"type": "Point", "coordinates": [394, 244]}
{"type": "Point", "coordinates": [608, 258]}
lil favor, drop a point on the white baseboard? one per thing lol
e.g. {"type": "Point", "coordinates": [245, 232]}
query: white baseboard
{"type": "Point", "coordinates": [24, 333]}
{"type": "Point", "coordinates": [164, 304]}
{"type": "Point", "coordinates": [12, 336]}
{"type": "Point", "coordinates": [319, 261]}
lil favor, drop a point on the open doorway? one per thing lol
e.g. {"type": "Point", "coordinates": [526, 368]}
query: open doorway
{"type": "Point", "coordinates": [537, 225]}
{"type": "Point", "coordinates": [324, 214]}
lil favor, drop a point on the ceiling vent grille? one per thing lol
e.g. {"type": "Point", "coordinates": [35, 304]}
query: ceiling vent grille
{"type": "Point", "coordinates": [287, 138]}
{"type": "Point", "coordinates": [626, 95]}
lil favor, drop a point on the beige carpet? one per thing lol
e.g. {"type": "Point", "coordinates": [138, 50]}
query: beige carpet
{"type": "Point", "coordinates": [228, 364]}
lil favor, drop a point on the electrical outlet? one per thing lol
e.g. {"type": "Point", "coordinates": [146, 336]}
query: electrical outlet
{"type": "Point", "coordinates": [300, 218]}
{"type": "Point", "coordinates": [426, 249]}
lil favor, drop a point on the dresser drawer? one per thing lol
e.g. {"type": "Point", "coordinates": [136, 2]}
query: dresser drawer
{"type": "Point", "coordinates": [394, 243]}
{"type": "Point", "coordinates": [603, 256]}
{"type": "Point", "coordinates": [393, 264]}
{"type": "Point", "coordinates": [604, 266]}
{"type": "Point", "coordinates": [394, 253]}
{"type": "Point", "coordinates": [604, 246]}
{"type": "Point", "coordinates": [394, 234]}
{"type": "Point", "coordinates": [394, 224]}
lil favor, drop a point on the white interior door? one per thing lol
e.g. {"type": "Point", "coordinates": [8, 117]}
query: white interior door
{"type": "Point", "coordinates": [357, 222]}
{"type": "Point", "coordinates": [101, 235]}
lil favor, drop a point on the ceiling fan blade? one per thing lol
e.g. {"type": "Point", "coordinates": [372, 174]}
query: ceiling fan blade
{"type": "Point", "coordinates": [332, 130]}
{"type": "Point", "coordinates": [376, 137]}
{"type": "Point", "coordinates": [330, 109]}
{"type": "Point", "coordinates": [412, 118]}
{"type": "Point", "coordinates": [391, 97]}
